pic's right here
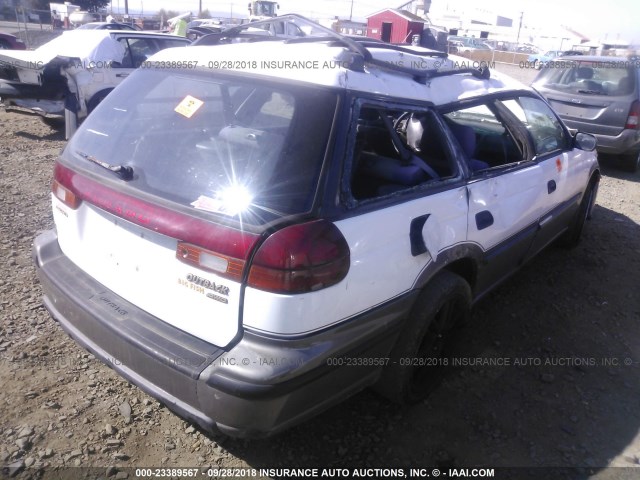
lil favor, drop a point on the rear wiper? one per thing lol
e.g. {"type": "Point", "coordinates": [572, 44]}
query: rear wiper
{"type": "Point", "coordinates": [123, 171]}
{"type": "Point", "coordinates": [592, 92]}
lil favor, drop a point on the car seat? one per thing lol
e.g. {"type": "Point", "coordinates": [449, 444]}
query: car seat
{"type": "Point", "coordinates": [466, 137]}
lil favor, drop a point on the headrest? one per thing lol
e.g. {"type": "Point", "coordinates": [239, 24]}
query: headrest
{"type": "Point", "coordinates": [466, 136]}
{"type": "Point", "coordinates": [584, 73]}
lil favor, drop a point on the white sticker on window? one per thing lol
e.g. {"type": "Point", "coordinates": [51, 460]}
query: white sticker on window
{"type": "Point", "coordinates": [209, 204]}
{"type": "Point", "coordinates": [188, 106]}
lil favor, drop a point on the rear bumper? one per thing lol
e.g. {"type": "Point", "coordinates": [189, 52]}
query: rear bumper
{"type": "Point", "coordinates": [255, 388]}
{"type": "Point", "coordinates": [44, 108]}
{"type": "Point", "coordinates": [625, 143]}
{"type": "Point", "coordinates": [32, 98]}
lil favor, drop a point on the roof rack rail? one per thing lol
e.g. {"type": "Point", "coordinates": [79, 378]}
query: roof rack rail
{"type": "Point", "coordinates": [356, 46]}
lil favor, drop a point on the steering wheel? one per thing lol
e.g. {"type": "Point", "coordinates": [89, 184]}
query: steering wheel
{"type": "Point", "coordinates": [398, 121]}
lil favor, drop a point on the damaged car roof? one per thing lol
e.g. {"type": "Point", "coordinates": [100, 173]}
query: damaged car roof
{"type": "Point", "coordinates": [86, 45]}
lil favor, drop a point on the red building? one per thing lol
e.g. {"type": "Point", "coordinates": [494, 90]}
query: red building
{"type": "Point", "coordinates": [394, 26]}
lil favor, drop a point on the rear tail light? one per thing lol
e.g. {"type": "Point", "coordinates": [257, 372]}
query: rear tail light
{"type": "Point", "coordinates": [301, 258]}
{"type": "Point", "coordinates": [634, 115]}
{"type": "Point", "coordinates": [202, 243]}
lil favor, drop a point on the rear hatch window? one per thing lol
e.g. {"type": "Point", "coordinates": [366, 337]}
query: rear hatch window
{"type": "Point", "coordinates": [590, 95]}
{"type": "Point", "coordinates": [588, 77]}
{"type": "Point", "coordinates": [174, 178]}
{"type": "Point", "coordinates": [238, 148]}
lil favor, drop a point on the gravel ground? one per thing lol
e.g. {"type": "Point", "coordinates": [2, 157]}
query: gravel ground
{"type": "Point", "coordinates": [565, 331]}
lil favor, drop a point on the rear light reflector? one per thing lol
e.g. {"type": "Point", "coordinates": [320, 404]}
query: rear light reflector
{"type": "Point", "coordinates": [65, 195]}
{"type": "Point", "coordinates": [301, 258]}
{"type": "Point", "coordinates": [201, 243]}
{"type": "Point", "coordinates": [199, 257]}
{"type": "Point", "coordinates": [634, 115]}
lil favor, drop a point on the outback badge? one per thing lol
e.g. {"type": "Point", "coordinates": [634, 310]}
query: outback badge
{"type": "Point", "coordinates": [208, 284]}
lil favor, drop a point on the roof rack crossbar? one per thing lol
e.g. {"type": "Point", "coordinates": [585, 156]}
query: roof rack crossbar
{"type": "Point", "coordinates": [422, 76]}
{"type": "Point", "coordinates": [400, 48]}
{"type": "Point", "coordinates": [355, 46]}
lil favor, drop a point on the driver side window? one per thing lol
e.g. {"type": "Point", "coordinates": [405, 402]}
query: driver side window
{"type": "Point", "coordinates": [137, 50]}
{"type": "Point", "coordinates": [541, 123]}
{"type": "Point", "coordinates": [395, 150]}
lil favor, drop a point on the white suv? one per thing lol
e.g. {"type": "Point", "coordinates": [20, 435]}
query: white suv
{"type": "Point", "coordinates": [269, 227]}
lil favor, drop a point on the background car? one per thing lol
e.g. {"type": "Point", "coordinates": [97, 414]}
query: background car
{"type": "Point", "coordinates": [455, 46]}
{"type": "Point", "coordinates": [597, 95]}
{"type": "Point", "coordinates": [542, 59]}
{"type": "Point", "coordinates": [90, 63]}
{"type": "Point", "coordinates": [527, 49]}
{"type": "Point", "coordinates": [11, 42]}
{"type": "Point", "coordinates": [466, 44]}
{"type": "Point", "coordinates": [204, 22]}
{"type": "Point", "coordinates": [193, 33]}
{"type": "Point", "coordinates": [107, 26]}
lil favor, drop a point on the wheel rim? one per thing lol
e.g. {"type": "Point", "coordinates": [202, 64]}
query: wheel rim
{"type": "Point", "coordinates": [434, 346]}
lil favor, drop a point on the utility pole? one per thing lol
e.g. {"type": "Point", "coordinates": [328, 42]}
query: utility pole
{"type": "Point", "coordinates": [200, 10]}
{"type": "Point", "coordinates": [351, 13]}
{"type": "Point", "coordinates": [126, 7]}
{"type": "Point", "coordinates": [519, 27]}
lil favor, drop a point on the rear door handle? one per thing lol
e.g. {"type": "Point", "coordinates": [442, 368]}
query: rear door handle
{"type": "Point", "coordinates": [122, 75]}
{"type": "Point", "coordinates": [415, 235]}
{"type": "Point", "coordinates": [484, 219]}
{"type": "Point", "coordinates": [551, 186]}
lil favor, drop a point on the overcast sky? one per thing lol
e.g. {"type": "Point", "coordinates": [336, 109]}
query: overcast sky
{"type": "Point", "coordinates": [594, 18]}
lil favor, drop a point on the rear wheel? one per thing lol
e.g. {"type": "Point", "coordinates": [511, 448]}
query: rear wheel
{"type": "Point", "coordinates": [571, 238]}
{"type": "Point", "coordinates": [631, 163]}
{"type": "Point", "coordinates": [4, 45]}
{"type": "Point", "coordinates": [96, 99]}
{"type": "Point", "coordinates": [422, 355]}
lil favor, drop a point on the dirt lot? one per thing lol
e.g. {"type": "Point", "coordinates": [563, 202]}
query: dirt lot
{"type": "Point", "coordinates": [565, 332]}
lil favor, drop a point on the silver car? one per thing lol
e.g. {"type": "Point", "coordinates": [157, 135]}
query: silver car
{"type": "Point", "coordinates": [597, 95]}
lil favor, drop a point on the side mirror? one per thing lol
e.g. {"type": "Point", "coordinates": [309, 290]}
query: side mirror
{"type": "Point", "coordinates": [585, 141]}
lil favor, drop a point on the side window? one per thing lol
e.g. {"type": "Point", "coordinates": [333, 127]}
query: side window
{"type": "Point", "coordinates": [170, 43]}
{"type": "Point", "coordinates": [485, 139]}
{"type": "Point", "coordinates": [141, 49]}
{"type": "Point", "coordinates": [542, 124]}
{"type": "Point", "coordinates": [127, 61]}
{"type": "Point", "coordinates": [137, 50]}
{"type": "Point", "coordinates": [396, 150]}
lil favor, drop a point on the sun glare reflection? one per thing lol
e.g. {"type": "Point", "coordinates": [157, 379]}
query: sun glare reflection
{"type": "Point", "coordinates": [235, 199]}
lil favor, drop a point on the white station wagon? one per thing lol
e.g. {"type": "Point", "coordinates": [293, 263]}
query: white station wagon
{"type": "Point", "coordinates": [253, 231]}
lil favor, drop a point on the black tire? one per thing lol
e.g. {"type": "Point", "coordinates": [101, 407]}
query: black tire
{"type": "Point", "coordinates": [96, 99]}
{"type": "Point", "coordinates": [4, 45]}
{"type": "Point", "coordinates": [571, 238]}
{"type": "Point", "coordinates": [631, 163]}
{"type": "Point", "coordinates": [421, 356]}
{"type": "Point", "coordinates": [57, 123]}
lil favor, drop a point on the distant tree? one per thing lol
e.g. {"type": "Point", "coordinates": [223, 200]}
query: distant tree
{"type": "Point", "coordinates": [91, 5]}
{"type": "Point", "coordinates": [205, 14]}
{"type": "Point", "coordinates": [37, 4]}
{"type": "Point", "coordinates": [166, 14]}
